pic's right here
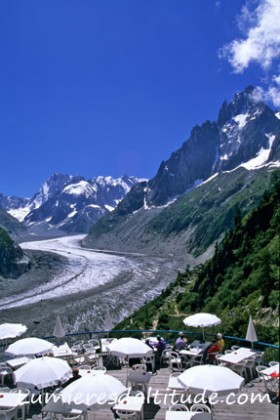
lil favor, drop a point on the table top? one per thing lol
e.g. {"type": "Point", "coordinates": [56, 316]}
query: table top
{"type": "Point", "coordinates": [57, 406]}
{"type": "Point", "coordinates": [173, 383]}
{"type": "Point", "coordinates": [178, 415]}
{"type": "Point", "coordinates": [187, 415]}
{"type": "Point", "coordinates": [237, 356]}
{"type": "Point", "coordinates": [91, 372]}
{"type": "Point", "coordinates": [270, 370]}
{"type": "Point", "coordinates": [62, 351]}
{"type": "Point", "coordinates": [130, 403]}
{"type": "Point", "coordinates": [10, 399]}
{"type": "Point", "coordinates": [139, 376]}
{"type": "Point", "coordinates": [105, 342]}
{"type": "Point", "coordinates": [18, 361]}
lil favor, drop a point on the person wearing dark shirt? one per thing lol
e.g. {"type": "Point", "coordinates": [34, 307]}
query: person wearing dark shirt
{"type": "Point", "coordinates": [75, 376]}
{"type": "Point", "coordinates": [181, 343]}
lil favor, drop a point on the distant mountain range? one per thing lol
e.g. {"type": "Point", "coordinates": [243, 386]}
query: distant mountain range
{"type": "Point", "coordinates": [193, 198]}
{"type": "Point", "coordinates": [186, 206]}
{"type": "Point", "coordinates": [66, 204]}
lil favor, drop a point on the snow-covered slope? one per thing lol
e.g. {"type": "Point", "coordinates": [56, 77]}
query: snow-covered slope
{"type": "Point", "coordinates": [68, 203]}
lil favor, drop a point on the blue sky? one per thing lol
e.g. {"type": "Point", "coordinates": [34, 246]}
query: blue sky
{"type": "Point", "coordinates": [108, 87]}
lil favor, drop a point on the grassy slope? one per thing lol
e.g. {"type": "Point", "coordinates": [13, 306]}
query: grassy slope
{"type": "Point", "coordinates": [241, 279]}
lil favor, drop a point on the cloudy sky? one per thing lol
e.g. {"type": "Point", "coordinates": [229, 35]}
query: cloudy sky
{"type": "Point", "coordinates": [108, 87]}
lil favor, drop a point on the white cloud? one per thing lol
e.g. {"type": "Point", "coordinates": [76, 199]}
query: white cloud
{"type": "Point", "coordinates": [261, 43]}
{"type": "Point", "coordinates": [271, 94]}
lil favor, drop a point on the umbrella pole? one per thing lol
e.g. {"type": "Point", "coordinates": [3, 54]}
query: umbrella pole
{"type": "Point", "coordinates": [203, 334]}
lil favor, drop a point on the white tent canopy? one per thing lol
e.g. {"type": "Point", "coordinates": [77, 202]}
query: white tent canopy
{"type": "Point", "coordinates": [88, 391]}
{"type": "Point", "coordinates": [29, 346]}
{"type": "Point", "coordinates": [210, 379]}
{"type": "Point", "coordinates": [202, 320]}
{"type": "Point", "coordinates": [43, 372]}
{"type": "Point", "coordinates": [251, 334]}
{"type": "Point", "coordinates": [131, 347]}
{"type": "Point", "coordinates": [8, 330]}
{"type": "Point", "coordinates": [58, 331]}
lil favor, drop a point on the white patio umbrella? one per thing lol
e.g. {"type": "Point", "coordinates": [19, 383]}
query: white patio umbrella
{"type": "Point", "coordinates": [29, 346]}
{"type": "Point", "coordinates": [202, 320]}
{"type": "Point", "coordinates": [58, 331]}
{"type": "Point", "coordinates": [42, 373]}
{"type": "Point", "coordinates": [92, 392]}
{"type": "Point", "coordinates": [8, 330]}
{"type": "Point", "coordinates": [131, 347]}
{"type": "Point", "coordinates": [209, 379]}
{"type": "Point", "coordinates": [251, 334]}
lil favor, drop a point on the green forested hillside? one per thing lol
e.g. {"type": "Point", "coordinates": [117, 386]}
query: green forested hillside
{"type": "Point", "coordinates": [242, 278]}
{"type": "Point", "coordinates": [10, 252]}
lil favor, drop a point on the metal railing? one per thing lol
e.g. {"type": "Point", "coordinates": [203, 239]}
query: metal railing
{"type": "Point", "coordinates": [271, 351]}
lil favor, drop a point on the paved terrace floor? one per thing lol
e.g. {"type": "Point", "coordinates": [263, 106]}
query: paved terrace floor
{"type": "Point", "coordinates": [222, 411]}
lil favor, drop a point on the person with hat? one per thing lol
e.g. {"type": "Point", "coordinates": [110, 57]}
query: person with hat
{"type": "Point", "coordinates": [220, 342]}
{"type": "Point", "coordinates": [181, 343]}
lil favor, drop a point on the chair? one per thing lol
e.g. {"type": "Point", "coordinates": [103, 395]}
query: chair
{"type": "Point", "coordinates": [250, 366]}
{"type": "Point", "coordinates": [220, 362]}
{"type": "Point", "coordinates": [149, 360]}
{"type": "Point", "coordinates": [202, 408]}
{"type": "Point", "coordinates": [273, 363]}
{"type": "Point", "coordinates": [78, 343]}
{"type": "Point", "coordinates": [178, 407]}
{"type": "Point", "coordinates": [140, 366]}
{"type": "Point", "coordinates": [5, 371]}
{"type": "Point", "coordinates": [8, 413]}
{"type": "Point", "coordinates": [125, 415]}
{"type": "Point", "coordinates": [259, 370]}
{"type": "Point", "coordinates": [240, 368]}
{"type": "Point", "coordinates": [26, 406]}
{"type": "Point", "coordinates": [95, 344]}
{"type": "Point", "coordinates": [100, 369]}
{"type": "Point", "coordinates": [175, 361]}
{"type": "Point", "coordinates": [234, 348]}
{"type": "Point", "coordinates": [197, 360]}
{"type": "Point", "coordinates": [165, 356]}
{"type": "Point", "coordinates": [85, 367]}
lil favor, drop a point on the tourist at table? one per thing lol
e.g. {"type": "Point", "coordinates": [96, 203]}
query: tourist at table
{"type": "Point", "coordinates": [212, 351]}
{"type": "Point", "coordinates": [74, 377]}
{"type": "Point", "coordinates": [181, 343]}
{"type": "Point", "coordinates": [220, 342]}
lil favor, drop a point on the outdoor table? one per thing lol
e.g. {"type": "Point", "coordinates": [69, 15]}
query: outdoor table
{"type": "Point", "coordinates": [58, 407]}
{"type": "Point", "coordinates": [237, 356]}
{"type": "Point", "coordinates": [105, 342]}
{"type": "Point", "coordinates": [173, 383]}
{"type": "Point", "coordinates": [139, 377]}
{"type": "Point", "coordinates": [131, 404]}
{"type": "Point", "coordinates": [91, 372]}
{"type": "Point", "coordinates": [62, 351]}
{"type": "Point", "coordinates": [11, 400]}
{"type": "Point", "coordinates": [17, 362]}
{"type": "Point", "coordinates": [110, 358]}
{"type": "Point", "coordinates": [271, 370]}
{"type": "Point", "coordinates": [187, 415]}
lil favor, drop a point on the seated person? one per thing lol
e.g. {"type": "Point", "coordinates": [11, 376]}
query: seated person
{"type": "Point", "coordinates": [220, 342]}
{"type": "Point", "coordinates": [212, 351]}
{"type": "Point", "coordinates": [181, 343]}
{"type": "Point", "coordinates": [75, 376]}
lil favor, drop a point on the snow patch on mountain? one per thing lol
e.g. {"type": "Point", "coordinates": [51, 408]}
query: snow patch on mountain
{"type": "Point", "coordinates": [277, 115]}
{"type": "Point", "coordinates": [261, 157]}
{"type": "Point", "coordinates": [19, 213]}
{"type": "Point", "coordinates": [241, 120]}
{"type": "Point", "coordinates": [80, 188]}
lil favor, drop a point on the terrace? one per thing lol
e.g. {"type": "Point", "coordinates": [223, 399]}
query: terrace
{"type": "Point", "coordinates": [251, 402]}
